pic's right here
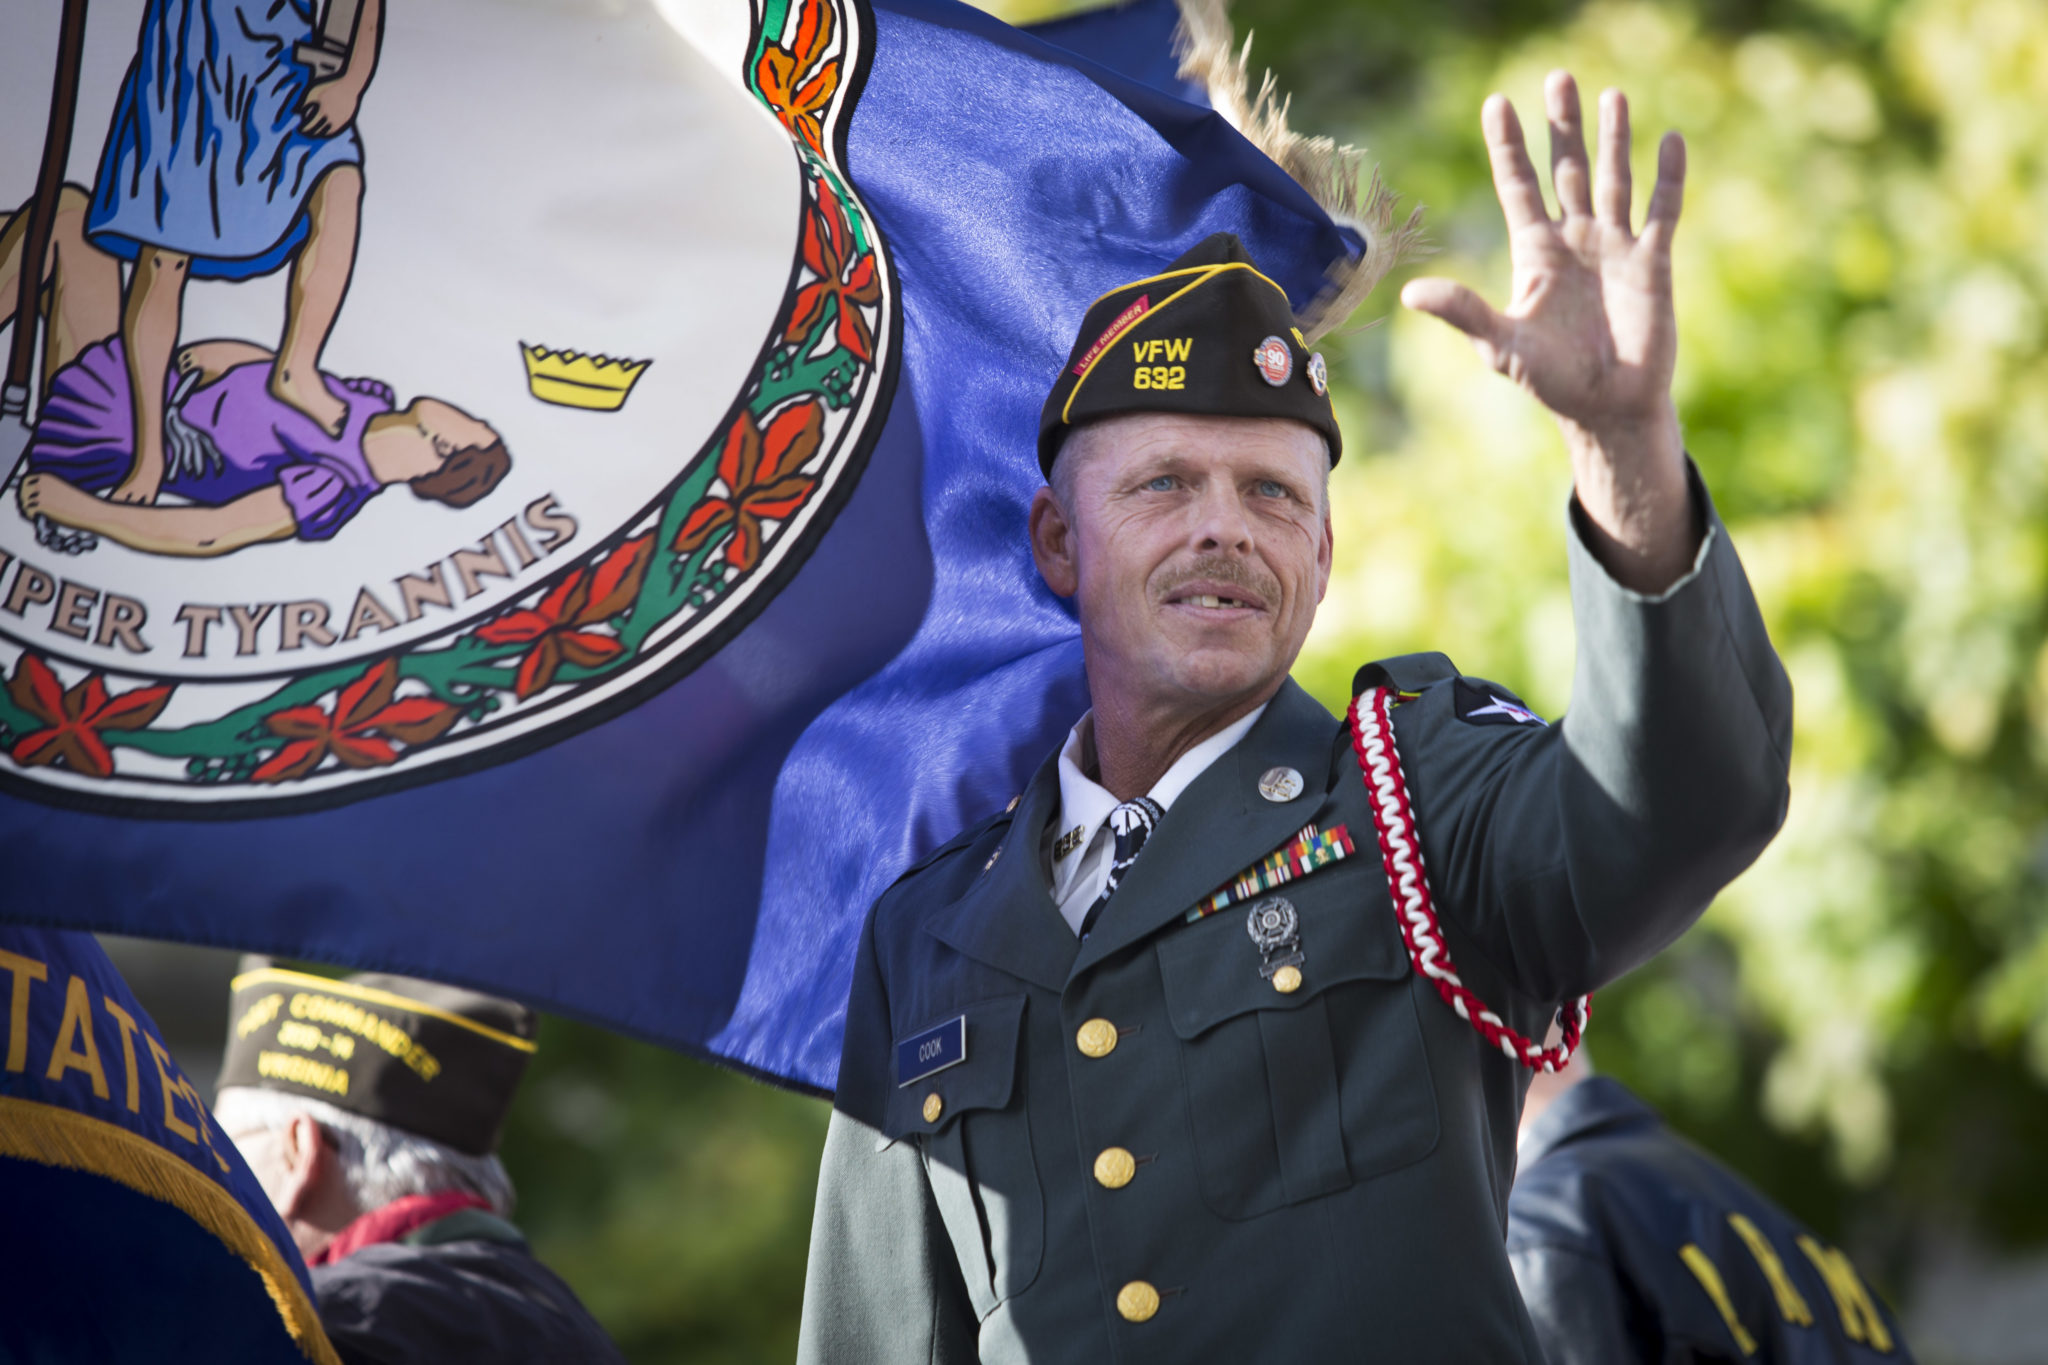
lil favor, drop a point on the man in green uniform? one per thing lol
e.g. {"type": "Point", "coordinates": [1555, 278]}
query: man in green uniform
{"type": "Point", "coordinates": [1212, 1047]}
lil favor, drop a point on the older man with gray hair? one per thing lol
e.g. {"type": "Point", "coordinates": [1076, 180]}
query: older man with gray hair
{"type": "Point", "coordinates": [369, 1109]}
{"type": "Point", "coordinates": [1211, 1047]}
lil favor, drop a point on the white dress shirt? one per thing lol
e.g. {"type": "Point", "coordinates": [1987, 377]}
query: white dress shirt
{"type": "Point", "coordinates": [1079, 843]}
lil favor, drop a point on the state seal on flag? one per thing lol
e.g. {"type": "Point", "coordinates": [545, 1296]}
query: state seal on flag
{"type": "Point", "coordinates": [472, 417]}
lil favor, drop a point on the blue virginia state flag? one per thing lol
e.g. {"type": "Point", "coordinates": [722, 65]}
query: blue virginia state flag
{"type": "Point", "coordinates": [134, 1230]}
{"type": "Point", "coordinates": [709, 342]}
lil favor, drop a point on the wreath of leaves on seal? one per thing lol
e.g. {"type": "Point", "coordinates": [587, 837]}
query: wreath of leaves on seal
{"type": "Point", "coordinates": [710, 535]}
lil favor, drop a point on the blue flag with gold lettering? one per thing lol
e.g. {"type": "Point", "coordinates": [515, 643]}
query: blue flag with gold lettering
{"type": "Point", "coordinates": [134, 1230]}
{"type": "Point", "coordinates": [536, 497]}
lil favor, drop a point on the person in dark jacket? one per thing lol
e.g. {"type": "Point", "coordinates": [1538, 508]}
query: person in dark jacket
{"type": "Point", "coordinates": [1632, 1244]}
{"type": "Point", "coordinates": [1211, 1048]}
{"type": "Point", "coordinates": [369, 1110]}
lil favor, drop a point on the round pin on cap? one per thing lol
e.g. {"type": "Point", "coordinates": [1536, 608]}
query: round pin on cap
{"type": "Point", "coordinates": [1275, 362]}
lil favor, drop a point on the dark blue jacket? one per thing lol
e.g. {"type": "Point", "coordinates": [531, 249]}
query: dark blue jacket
{"type": "Point", "coordinates": [461, 1288]}
{"type": "Point", "coordinates": [1631, 1244]}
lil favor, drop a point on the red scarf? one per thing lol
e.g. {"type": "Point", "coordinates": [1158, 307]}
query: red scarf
{"type": "Point", "coordinates": [394, 1221]}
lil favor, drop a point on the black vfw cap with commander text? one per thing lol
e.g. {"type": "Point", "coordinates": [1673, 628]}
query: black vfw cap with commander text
{"type": "Point", "coordinates": [1208, 335]}
{"type": "Point", "coordinates": [437, 1061]}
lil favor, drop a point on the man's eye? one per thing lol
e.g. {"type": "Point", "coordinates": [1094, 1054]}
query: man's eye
{"type": "Point", "coordinates": [1163, 484]}
{"type": "Point", "coordinates": [1272, 488]}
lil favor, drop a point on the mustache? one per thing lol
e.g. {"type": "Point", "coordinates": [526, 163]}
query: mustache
{"type": "Point", "coordinates": [1222, 569]}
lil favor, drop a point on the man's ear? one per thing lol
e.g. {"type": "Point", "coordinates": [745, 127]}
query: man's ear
{"type": "Point", "coordinates": [1052, 544]}
{"type": "Point", "coordinates": [309, 1160]}
{"type": "Point", "coordinates": [1325, 555]}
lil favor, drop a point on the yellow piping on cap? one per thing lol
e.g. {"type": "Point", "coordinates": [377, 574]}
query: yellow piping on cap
{"type": "Point", "coordinates": [1187, 270]}
{"type": "Point", "coordinates": [385, 998]}
{"type": "Point", "coordinates": [1207, 273]}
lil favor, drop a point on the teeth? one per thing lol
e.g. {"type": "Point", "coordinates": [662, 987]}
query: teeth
{"type": "Point", "coordinates": [1207, 600]}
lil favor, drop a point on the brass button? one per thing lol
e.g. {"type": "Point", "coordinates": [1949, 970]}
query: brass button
{"type": "Point", "coordinates": [933, 1107]}
{"type": "Point", "coordinates": [1287, 980]}
{"type": "Point", "coordinates": [1096, 1038]}
{"type": "Point", "coordinates": [1115, 1167]}
{"type": "Point", "coordinates": [1137, 1301]}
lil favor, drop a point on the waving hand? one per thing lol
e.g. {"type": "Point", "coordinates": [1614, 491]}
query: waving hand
{"type": "Point", "coordinates": [1589, 328]}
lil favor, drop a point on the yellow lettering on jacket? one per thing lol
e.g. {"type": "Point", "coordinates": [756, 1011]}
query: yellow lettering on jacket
{"type": "Point", "coordinates": [1860, 1319]}
{"type": "Point", "coordinates": [1710, 1280]}
{"type": "Point", "coordinates": [1791, 1305]}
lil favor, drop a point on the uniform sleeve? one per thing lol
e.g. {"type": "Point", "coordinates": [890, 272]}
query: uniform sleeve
{"type": "Point", "coordinates": [1564, 856]}
{"type": "Point", "coordinates": [1575, 1302]}
{"type": "Point", "coordinates": [882, 1283]}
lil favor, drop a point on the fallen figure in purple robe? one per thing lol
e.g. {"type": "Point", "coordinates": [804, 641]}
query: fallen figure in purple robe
{"type": "Point", "coordinates": [247, 467]}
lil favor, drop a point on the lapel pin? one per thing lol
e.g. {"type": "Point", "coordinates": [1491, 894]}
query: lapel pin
{"type": "Point", "coordinates": [1280, 784]}
{"type": "Point", "coordinates": [1275, 928]}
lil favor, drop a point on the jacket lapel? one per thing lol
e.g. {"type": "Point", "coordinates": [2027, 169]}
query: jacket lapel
{"type": "Point", "coordinates": [1220, 824]}
{"type": "Point", "coordinates": [1007, 918]}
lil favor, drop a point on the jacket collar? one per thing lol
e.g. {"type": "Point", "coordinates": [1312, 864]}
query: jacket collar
{"type": "Point", "coordinates": [1007, 918]}
{"type": "Point", "coordinates": [395, 1221]}
{"type": "Point", "coordinates": [1595, 1104]}
{"type": "Point", "coordinates": [1219, 824]}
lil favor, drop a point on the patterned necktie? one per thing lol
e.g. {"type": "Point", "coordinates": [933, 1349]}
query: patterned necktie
{"type": "Point", "coordinates": [1131, 825]}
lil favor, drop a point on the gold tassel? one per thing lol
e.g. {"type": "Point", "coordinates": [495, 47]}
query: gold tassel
{"type": "Point", "coordinates": [1336, 175]}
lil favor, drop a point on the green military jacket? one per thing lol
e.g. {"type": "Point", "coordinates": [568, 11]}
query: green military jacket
{"type": "Point", "coordinates": [1148, 1153]}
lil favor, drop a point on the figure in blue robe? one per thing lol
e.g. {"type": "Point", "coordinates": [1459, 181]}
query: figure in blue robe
{"type": "Point", "coordinates": [228, 157]}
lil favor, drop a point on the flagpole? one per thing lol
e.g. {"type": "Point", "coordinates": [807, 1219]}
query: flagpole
{"type": "Point", "coordinates": [15, 404]}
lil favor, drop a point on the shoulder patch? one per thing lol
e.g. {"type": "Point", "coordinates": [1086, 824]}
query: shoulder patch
{"type": "Point", "coordinates": [1479, 703]}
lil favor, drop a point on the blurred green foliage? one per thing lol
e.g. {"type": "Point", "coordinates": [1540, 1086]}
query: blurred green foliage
{"type": "Point", "coordinates": [1861, 1023]}
{"type": "Point", "coordinates": [675, 1197]}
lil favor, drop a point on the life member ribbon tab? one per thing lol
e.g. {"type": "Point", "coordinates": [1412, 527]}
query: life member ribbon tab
{"type": "Point", "coordinates": [928, 1053]}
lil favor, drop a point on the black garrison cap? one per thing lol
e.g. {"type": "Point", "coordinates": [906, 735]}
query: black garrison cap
{"type": "Point", "coordinates": [1208, 335]}
{"type": "Point", "coordinates": [437, 1061]}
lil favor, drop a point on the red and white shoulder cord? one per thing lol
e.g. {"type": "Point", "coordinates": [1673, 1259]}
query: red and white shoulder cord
{"type": "Point", "coordinates": [1372, 739]}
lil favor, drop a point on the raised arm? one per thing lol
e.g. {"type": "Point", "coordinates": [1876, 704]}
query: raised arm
{"type": "Point", "coordinates": [191, 532]}
{"type": "Point", "coordinates": [1564, 856]}
{"type": "Point", "coordinates": [1589, 329]}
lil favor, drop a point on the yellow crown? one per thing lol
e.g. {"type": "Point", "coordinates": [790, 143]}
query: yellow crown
{"type": "Point", "coordinates": [573, 380]}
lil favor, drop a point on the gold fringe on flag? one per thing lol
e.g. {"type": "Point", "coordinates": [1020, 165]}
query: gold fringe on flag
{"type": "Point", "coordinates": [52, 1136]}
{"type": "Point", "coordinates": [1337, 175]}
